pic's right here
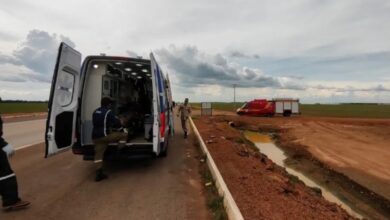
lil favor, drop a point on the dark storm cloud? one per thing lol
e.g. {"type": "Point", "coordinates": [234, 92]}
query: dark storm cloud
{"type": "Point", "coordinates": [193, 68]}
{"type": "Point", "coordinates": [37, 53]}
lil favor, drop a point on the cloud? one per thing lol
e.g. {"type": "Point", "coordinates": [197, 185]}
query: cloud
{"type": "Point", "coordinates": [7, 37]}
{"type": "Point", "coordinates": [131, 53]}
{"type": "Point", "coordinates": [299, 41]}
{"type": "Point", "coordinates": [23, 77]}
{"type": "Point", "coordinates": [212, 91]}
{"type": "Point", "coordinates": [33, 59]}
{"type": "Point", "coordinates": [17, 90]}
{"type": "Point", "coordinates": [210, 76]}
{"type": "Point", "coordinates": [39, 50]}
{"type": "Point", "coordinates": [377, 88]}
{"type": "Point", "coordinates": [295, 77]}
{"type": "Point", "coordinates": [19, 73]}
{"type": "Point", "coordinates": [238, 54]}
{"type": "Point", "coordinates": [194, 68]}
{"type": "Point", "coordinates": [4, 59]}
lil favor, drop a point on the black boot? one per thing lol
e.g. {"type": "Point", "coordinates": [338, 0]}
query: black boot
{"type": "Point", "coordinates": [185, 134]}
{"type": "Point", "coordinates": [100, 175]}
{"type": "Point", "coordinates": [16, 206]}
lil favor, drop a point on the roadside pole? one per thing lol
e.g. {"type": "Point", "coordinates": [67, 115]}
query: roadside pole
{"type": "Point", "coordinates": [234, 95]}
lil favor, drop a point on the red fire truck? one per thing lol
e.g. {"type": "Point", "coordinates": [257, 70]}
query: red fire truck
{"type": "Point", "coordinates": [263, 107]}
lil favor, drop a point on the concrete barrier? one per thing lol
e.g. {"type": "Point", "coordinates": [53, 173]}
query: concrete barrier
{"type": "Point", "coordinates": [231, 207]}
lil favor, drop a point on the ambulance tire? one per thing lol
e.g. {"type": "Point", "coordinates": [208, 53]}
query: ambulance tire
{"type": "Point", "coordinates": [164, 152]}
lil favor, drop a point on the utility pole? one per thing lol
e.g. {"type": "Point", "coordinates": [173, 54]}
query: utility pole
{"type": "Point", "coordinates": [234, 95]}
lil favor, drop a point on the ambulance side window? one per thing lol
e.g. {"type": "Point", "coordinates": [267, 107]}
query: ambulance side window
{"type": "Point", "coordinates": [65, 87]}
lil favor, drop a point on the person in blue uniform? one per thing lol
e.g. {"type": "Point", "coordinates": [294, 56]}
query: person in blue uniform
{"type": "Point", "coordinates": [106, 129]}
{"type": "Point", "coordinates": [8, 184]}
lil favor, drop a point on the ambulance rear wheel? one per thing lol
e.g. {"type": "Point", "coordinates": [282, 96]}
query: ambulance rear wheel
{"type": "Point", "coordinates": [164, 152]}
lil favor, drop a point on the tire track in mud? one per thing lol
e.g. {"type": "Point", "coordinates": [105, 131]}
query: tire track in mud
{"type": "Point", "coordinates": [356, 158]}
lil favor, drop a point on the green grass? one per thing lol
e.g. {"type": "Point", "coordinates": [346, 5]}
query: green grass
{"type": "Point", "coordinates": [360, 110]}
{"type": "Point", "coordinates": [347, 110]}
{"type": "Point", "coordinates": [23, 107]}
{"type": "Point", "coordinates": [225, 106]}
{"type": "Point", "coordinates": [214, 200]}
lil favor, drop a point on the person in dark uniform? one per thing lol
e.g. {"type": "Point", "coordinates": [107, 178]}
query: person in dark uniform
{"type": "Point", "coordinates": [8, 184]}
{"type": "Point", "coordinates": [106, 128]}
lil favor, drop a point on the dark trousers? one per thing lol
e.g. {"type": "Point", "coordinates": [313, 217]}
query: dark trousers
{"type": "Point", "coordinates": [8, 186]}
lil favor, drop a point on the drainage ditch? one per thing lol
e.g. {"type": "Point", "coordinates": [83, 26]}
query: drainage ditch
{"type": "Point", "coordinates": [266, 146]}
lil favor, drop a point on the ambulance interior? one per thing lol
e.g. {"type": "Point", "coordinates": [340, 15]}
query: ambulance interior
{"type": "Point", "coordinates": [129, 85]}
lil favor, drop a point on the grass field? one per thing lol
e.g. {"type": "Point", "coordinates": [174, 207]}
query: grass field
{"type": "Point", "coordinates": [340, 110]}
{"type": "Point", "coordinates": [347, 110]}
{"type": "Point", "coordinates": [23, 107]}
{"type": "Point", "coordinates": [225, 106]}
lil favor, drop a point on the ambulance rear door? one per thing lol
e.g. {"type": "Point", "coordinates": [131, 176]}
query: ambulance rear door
{"type": "Point", "coordinates": [63, 101]}
{"type": "Point", "coordinates": [170, 104]}
{"type": "Point", "coordinates": [157, 104]}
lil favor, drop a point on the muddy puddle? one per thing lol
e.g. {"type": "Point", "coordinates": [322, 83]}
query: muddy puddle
{"type": "Point", "coordinates": [266, 146]}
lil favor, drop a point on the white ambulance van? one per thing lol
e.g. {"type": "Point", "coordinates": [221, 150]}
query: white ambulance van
{"type": "Point", "coordinates": [138, 87]}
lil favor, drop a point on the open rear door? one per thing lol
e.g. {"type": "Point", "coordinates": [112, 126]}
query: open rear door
{"type": "Point", "coordinates": [156, 105]}
{"type": "Point", "coordinates": [170, 103]}
{"type": "Point", "coordinates": [61, 121]}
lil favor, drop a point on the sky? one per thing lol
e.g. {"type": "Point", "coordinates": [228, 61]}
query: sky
{"type": "Point", "coordinates": [323, 51]}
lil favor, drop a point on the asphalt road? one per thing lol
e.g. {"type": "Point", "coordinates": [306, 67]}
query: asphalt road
{"type": "Point", "coordinates": [24, 133]}
{"type": "Point", "coordinates": [63, 187]}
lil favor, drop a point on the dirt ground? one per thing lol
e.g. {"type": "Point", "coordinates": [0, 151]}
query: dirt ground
{"type": "Point", "coordinates": [352, 156]}
{"type": "Point", "coordinates": [361, 151]}
{"type": "Point", "coordinates": [359, 148]}
{"type": "Point", "coordinates": [261, 189]}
